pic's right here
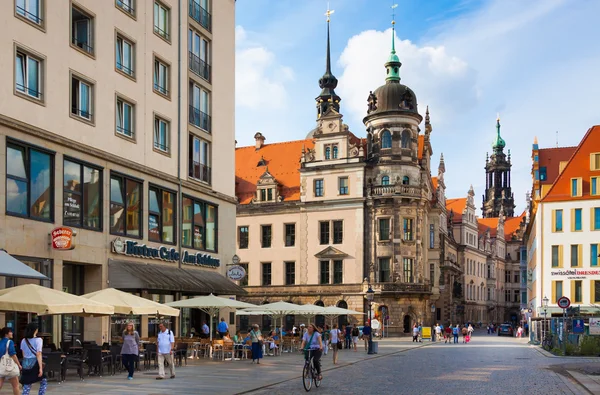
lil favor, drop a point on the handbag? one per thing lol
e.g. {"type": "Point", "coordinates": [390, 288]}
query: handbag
{"type": "Point", "coordinates": [8, 367]}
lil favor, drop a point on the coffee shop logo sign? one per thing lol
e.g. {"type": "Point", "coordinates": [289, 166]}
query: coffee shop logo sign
{"type": "Point", "coordinates": [132, 248]}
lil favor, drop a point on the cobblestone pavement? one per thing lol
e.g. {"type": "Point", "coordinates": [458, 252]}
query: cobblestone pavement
{"type": "Point", "coordinates": [487, 365]}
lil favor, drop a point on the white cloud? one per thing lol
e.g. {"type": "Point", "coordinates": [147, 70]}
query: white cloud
{"type": "Point", "coordinates": [260, 78]}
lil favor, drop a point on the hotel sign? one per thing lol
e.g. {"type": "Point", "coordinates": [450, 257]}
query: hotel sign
{"type": "Point", "coordinates": [167, 254]}
{"type": "Point", "coordinates": [575, 274]}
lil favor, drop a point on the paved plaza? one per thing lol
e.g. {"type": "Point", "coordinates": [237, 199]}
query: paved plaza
{"type": "Point", "coordinates": [489, 364]}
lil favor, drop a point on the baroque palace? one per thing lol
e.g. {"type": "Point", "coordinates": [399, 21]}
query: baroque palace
{"type": "Point", "coordinates": [320, 220]}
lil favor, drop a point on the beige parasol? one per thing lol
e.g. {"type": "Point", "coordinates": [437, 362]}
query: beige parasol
{"type": "Point", "coordinates": [126, 303]}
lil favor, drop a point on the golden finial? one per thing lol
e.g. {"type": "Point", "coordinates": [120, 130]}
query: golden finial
{"type": "Point", "coordinates": [394, 14]}
{"type": "Point", "coordinates": [329, 12]}
{"type": "Point", "coordinates": [498, 116]}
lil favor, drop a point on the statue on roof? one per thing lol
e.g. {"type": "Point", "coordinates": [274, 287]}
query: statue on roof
{"type": "Point", "coordinates": [372, 100]}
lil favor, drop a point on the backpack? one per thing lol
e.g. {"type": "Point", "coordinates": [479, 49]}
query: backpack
{"type": "Point", "coordinates": [355, 332]}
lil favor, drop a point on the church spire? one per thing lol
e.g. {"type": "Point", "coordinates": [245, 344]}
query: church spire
{"type": "Point", "coordinates": [328, 98]}
{"type": "Point", "coordinates": [393, 63]}
{"type": "Point", "coordinates": [499, 143]}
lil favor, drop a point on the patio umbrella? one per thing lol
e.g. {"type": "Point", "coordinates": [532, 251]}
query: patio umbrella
{"type": "Point", "coordinates": [332, 312]}
{"type": "Point", "coordinates": [33, 298]}
{"type": "Point", "coordinates": [279, 310]}
{"type": "Point", "coordinates": [11, 267]}
{"type": "Point", "coordinates": [126, 303]}
{"type": "Point", "coordinates": [210, 304]}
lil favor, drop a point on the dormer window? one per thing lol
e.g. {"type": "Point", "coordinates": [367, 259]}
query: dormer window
{"type": "Point", "coordinates": [327, 152]}
{"type": "Point", "coordinates": [334, 151]}
{"type": "Point", "coordinates": [595, 161]}
{"type": "Point", "coordinates": [266, 195]}
{"type": "Point", "coordinates": [331, 151]}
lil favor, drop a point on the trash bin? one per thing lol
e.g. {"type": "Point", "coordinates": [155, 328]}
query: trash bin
{"type": "Point", "coordinates": [375, 347]}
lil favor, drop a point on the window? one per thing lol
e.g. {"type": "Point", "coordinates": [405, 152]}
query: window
{"type": "Point", "coordinates": [595, 161]}
{"type": "Point", "coordinates": [290, 235]}
{"type": "Point", "coordinates": [199, 107]}
{"type": "Point", "coordinates": [405, 139]}
{"type": "Point", "coordinates": [595, 218]}
{"type": "Point", "coordinates": [594, 254]}
{"type": "Point", "coordinates": [199, 159]}
{"type": "Point", "coordinates": [431, 235]}
{"type": "Point", "coordinates": [30, 9]}
{"type": "Point", "coordinates": [265, 236]}
{"type": "Point", "coordinates": [385, 180]}
{"type": "Point", "coordinates": [557, 219]}
{"type": "Point", "coordinates": [125, 116]}
{"type": "Point", "coordinates": [405, 180]}
{"type": "Point", "coordinates": [334, 151]}
{"type": "Point", "coordinates": [243, 237]}
{"type": "Point", "coordinates": [576, 218]}
{"type": "Point", "coordinates": [324, 269]}
{"type": "Point", "coordinates": [557, 291]}
{"type": "Point", "coordinates": [576, 291]}
{"type": "Point", "coordinates": [82, 195]}
{"type": "Point", "coordinates": [199, 12]}
{"type": "Point", "coordinates": [161, 215]}
{"type": "Point", "coordinates": [327, 152]}
{"type": "Point", "coordinates": [319, 188]}
{"type": "Point", "coordinates": [343, 185]}
{"type": "Point", "coordinates": [575, 255]}
{"type": "Point", "coordinates": [199, 51]}
{"type": "Point", "coordinates": [556, 256]}
{"type": "Point", "coordinates": [408, 229]}
{"type": "Point", "coordinates": [517, 275]}
{"type": "Point", "coordinates": [338, 272]}
{"type": "Point", "coordinates": [331, 151]}
{"type": "Point", "coordinates": [575, 186]}
{"type": "Point", "coordinates": [384, 229]}
{"type": "Point", "coordinates": [161, 20]}
{"type": "Point", "coordinates": [244, 281]}
{"type": "Point", "coordinates": [408, 270]}
{"type": "Point", "coordinates": [125, 206]}
{"type": "Point", "coordinates": [386, 139]}
{"type": "Point", "coordinates": [507, 295]}
{"type": "Point", "coordinates": [29, 182]}
{"type": "Point", "coordinates": [124, 55]}
{"type": "Point", "coordinates": [81, 98]}
{"type": "Point", "coordinates": [489, 294]}
{"type": "Point", "coordinates": [324, 232]}
{"type": "Point", "coordinates": [28, 77]}
{"type": "Point", "coordinates": [595, 186]}
{"type": "Point", "coordinates": [595, 291]}
{"type": "Point", "coordinates": [200, 225]}
{"type": "Point", "coordinates": [161, 134]}
{"type": "Point", "coordinates": [126, 5]}
{"type": "Point", "coordinates": [161, 77]}
{"type": "Point", "coordinates": [82, 30]}
{"type": "Point", "coordinates": [384, 270]}
{"type": "Point", "coordinates": [290, 273]}
{"type": "Point", "coordinates": [338, 232]}
{"type": "Point", "coordinates": [266, 273]}
{"type": "Point", "coordinates": [543, 175]}
{"type": "Point", "coordinates": [507, 276]}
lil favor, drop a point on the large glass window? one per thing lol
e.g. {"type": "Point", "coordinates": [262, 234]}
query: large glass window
{"type": "Point", "coordinates": [319, 188]}
{"type": "Point", "coordinates": [199, 159]}
{"type": "Point", "coordinates": [81, 98]}
{"type": "Point", "coordinates": [290, 235]}
{"type": "Point", "coordinates": [556, 258]}
{"type": "Point", "coordinates": [29, 182]}
{"type": "Point", "coordinates": [594, 254]}
{"type": "Point", "coordinates": [124, 118]}
{"type": "Point", "coordinates": [290, 273]}
{"type": "Point", "coordinates": [243, 237]}
{"type": "Point", "coordinates": [125, 206]}
{"type": "Point", "coordinates": [161, 20]}
{"type": "Point", "coordinates": [199, 52]}
{"type": "Point", "coordinates": [161, 134]}
{"type": "Point", "coordinates": [324, 232]}
{"type": "Point", "coordinates": [596, 218]}
{"type": "Point", "coordinates": [200, 225]}
{"type": "Point", "coordinates": [384, 229]}
{"type": "Point", "coordinates": [161, 215]}
{"type": "Point", "coordinates": [161, 77]}
{"type": "Point", "coordinates": [199, 114]}
{"type": "Point", "coordinates": [324, 272]}
{"type": "Point", "coordinates": [384, 270]}
{"type": "Point", "coordinates": [244, 281]}
{"type": "Point", "coordinates": [343, 185]}
{"type": "Point", "coordinates": [408, 229]}
{"type": "Point", "coordinates": [127, 6]}
{"type": "Point", "coordinates": [405, 139]}
{"type": "Point", "coordinates": [82, 30]}
{"type": "Point", "coordinates": [338, 272]}
{"type": "Point", "coordinates": [338, 232]}
{"type": "Point", "coordinates": [82, 195]}
{"type": "Point", "coordinates": [124, 55]}
{"type": "Point", "coordinates": [577, 292]}
{"type": "Point", "coordinates": [577, 219]}
{"type": "Point", "coordinates": [408, 264]}
{"type": "Point", "coordinates": [265, 236]}
{"type": "Point", "coordinates": [386, 139]}
{"type": "Point", "coordinates": [266, 273]}
{"type": "Point", "coordinates": [575, 255]}
{"type": "Point", "coordinates": [558, 220]}
{"type": "Point", "coordinates": [28, 78]}
{"type": "Point", "coordinates": [30, 9]}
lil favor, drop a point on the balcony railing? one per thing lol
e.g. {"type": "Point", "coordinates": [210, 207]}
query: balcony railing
{"type": "Point", "coordinates": [83, 45]}
{"type": "Point", "coordinates": [199, 66]}
{"type": "Point", "coordinates": [200, 15]}
{"type": "Point", "coordinates": [199, 119]}
{"type": "Point", "coordinates": [35, 18]}
{"type": "Point", "coordinates": [405, 287]}
{"type": "Point", "coordinates": [395, 190]}
{"type": "Point", "coordinates": [200, 172]}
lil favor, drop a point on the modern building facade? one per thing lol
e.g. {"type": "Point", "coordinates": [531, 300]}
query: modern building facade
{"type": "Point", "coordinates": [111, 114]}
{"type": "Point", "coordinates": [563, 236]}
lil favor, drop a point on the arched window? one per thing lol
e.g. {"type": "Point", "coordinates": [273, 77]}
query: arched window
{"type": "Point", "coordinates": [342, 319]}
{"type": "Point", "coordinates": [385, 180]}
{"type": "Point", "coordinates": [320, 319]}
{"type": "Point", "coordinates": [335, 151]}
{"type": "Point", "coordinates": [327, 152]}
{"type": "Point", "coordinates": [405, 180]}
{"type": "Point", "coordinates": [386, 139]}
{"type": "Point", "coordinates": [406, 139]}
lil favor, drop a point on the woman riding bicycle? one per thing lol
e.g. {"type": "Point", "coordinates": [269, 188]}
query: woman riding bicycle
{"type": "Point", "coordinates": [312, 341]}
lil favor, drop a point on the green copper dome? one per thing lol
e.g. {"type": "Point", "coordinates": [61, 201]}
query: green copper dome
{"type": "Point", "coordinates": [499, 142]}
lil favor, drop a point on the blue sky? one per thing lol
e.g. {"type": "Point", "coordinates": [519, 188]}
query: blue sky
{"type": "Point", "coordinates": [535, 62]}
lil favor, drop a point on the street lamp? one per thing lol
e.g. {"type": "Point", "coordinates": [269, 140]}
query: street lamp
{"type": "Point", "coordinates": [545, 305]}
{"type": "Point", "coordinates": [370, 295]}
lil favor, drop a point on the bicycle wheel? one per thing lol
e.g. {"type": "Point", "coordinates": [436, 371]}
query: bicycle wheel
{"type": "Point", "coordinates": [316, 376]}
{"type": "Point", "coordinates": [307, 377]}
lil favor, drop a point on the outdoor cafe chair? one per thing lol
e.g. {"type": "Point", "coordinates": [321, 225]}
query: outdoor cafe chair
{"type": "Point", "coordinates": [76, 362]}
{"type": "Point", "coordinates": [217, 347]}
{"type": "Point", "coordinates": [150, 354]}
{"type": "Point", "coordinates": [53, 365]}
{"type": "Point", "coordinates": [228, 349]}
{"type": "Point", "coordinates": [97, 361]}
{"type": "Point", "coordinates": [181, 350]}
{"type": "Point", "coordinates": [115, 353]}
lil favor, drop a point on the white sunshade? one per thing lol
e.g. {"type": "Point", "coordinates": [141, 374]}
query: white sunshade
{"type": "Point", "coordinates": [12, 267]}
{"type": "Point", "coordinates": [126, 303]}
{"type": "Point", "coordinates": [277, 308]}
{"type": "Point", "coordinates": [336, 311]}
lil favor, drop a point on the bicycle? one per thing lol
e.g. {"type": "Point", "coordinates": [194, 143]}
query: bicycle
{"type": "Point", "coordinates": [309, 372]}
{"type": "Point", "coordinates": [547, 342]}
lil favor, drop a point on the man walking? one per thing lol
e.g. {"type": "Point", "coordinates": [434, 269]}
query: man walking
{"type": "Point", "coordinates": [448, 334]}
{"type": "Point", "coordinates": [166, 341]}
{"type": "Point", "coordinates": [415, 333]}
{"type": "Point", "coordinates": [455, 333]}
{"type": "Point", "coordinates": [438, 332]}
{"type": "Point", "coordinates": [367, 334]}
{"type": "Point", "coordinates": [348, 336]}
{"type": "Point", "coordinates": [222, 328]}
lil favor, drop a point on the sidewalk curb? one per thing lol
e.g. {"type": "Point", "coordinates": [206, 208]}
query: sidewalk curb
{"type": "Point", "coordinates": [583, 381]}
{"type": "Point", "coordinates": [333, 368]}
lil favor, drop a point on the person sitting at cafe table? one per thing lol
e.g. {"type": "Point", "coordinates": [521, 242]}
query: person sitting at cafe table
{"type": "Point", "coordinates": [205, 330]}
{"type": "Point", "coordinates": [227, 336]}
{"type": "Point", "coordinates": [238, 338]}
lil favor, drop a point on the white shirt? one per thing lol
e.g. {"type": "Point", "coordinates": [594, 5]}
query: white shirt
{"type": "Point", "coordinates": [164, 341]}
{"type": "Point", "coordinates": [334, 335]}
{"type": "Point", "coordinates": [438, 330]}
{"type": "Point", "coordinates": [36, 343]}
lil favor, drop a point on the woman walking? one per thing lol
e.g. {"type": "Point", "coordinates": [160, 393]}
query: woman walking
{"type": "Point", "coordinates": [8, 346]}
{"type": "Point", "coordinates": [335, 338]}
{"type": "Point", "coordinates": [257, 344]}
{"type": "Point", "coordinates": [33, 370]}
{"type": "Point", "coordinates": [130, 351]}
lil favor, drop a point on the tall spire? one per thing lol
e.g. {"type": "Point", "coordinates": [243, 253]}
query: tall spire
{"type": "Point", "coordinates": [499, 142]}
{"type": "Point", "coordinates": [328, 98]}
{"type": "Point", "coordinates": [393, 63]}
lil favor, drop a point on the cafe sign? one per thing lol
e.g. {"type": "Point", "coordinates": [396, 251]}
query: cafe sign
{"type": "Point", "coordinates": [167, 254]}
{"type": "Point", "coordinates": [236, 272]}
{"type": "Point", "coordinates": [61, 238]}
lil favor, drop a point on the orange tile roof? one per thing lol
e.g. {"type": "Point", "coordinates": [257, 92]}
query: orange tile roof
{"type": "Point", "coordinates": [578, 166]}
{"type": "Point", "coordinates": [283, 162]}
{"type": "Point", "coordinates": [457, 206]}
{"type": "Point", "coordinates": [484, 223]}
{"type": "Point", "coordinates": [512, 224]}
{"type": "Point", "coordinates": [434, 181]}
{"type": "Point", "coordinates": [421, 146]}
{"type": "Point", "coordinates": [550, 158]}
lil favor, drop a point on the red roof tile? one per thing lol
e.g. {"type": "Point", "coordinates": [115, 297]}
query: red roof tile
{"type": "Point", "coordinates": [421, 146]}
{"type": "Point", "coordinates": [578, 167]}
{"type": "Point", "coordinates": [457, 206]}
{"type": "Point", "coordinates": [434, 181]}
{"type": "Point", "coordinates": [512, 224]}
{"type": "Point", "coordinates": [550, 158]}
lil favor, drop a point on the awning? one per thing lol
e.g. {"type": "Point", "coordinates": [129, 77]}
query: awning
{"type": "Point", "coordinates": [11, 267]}
{"type": "Point", "coordinates": [127, 275]}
